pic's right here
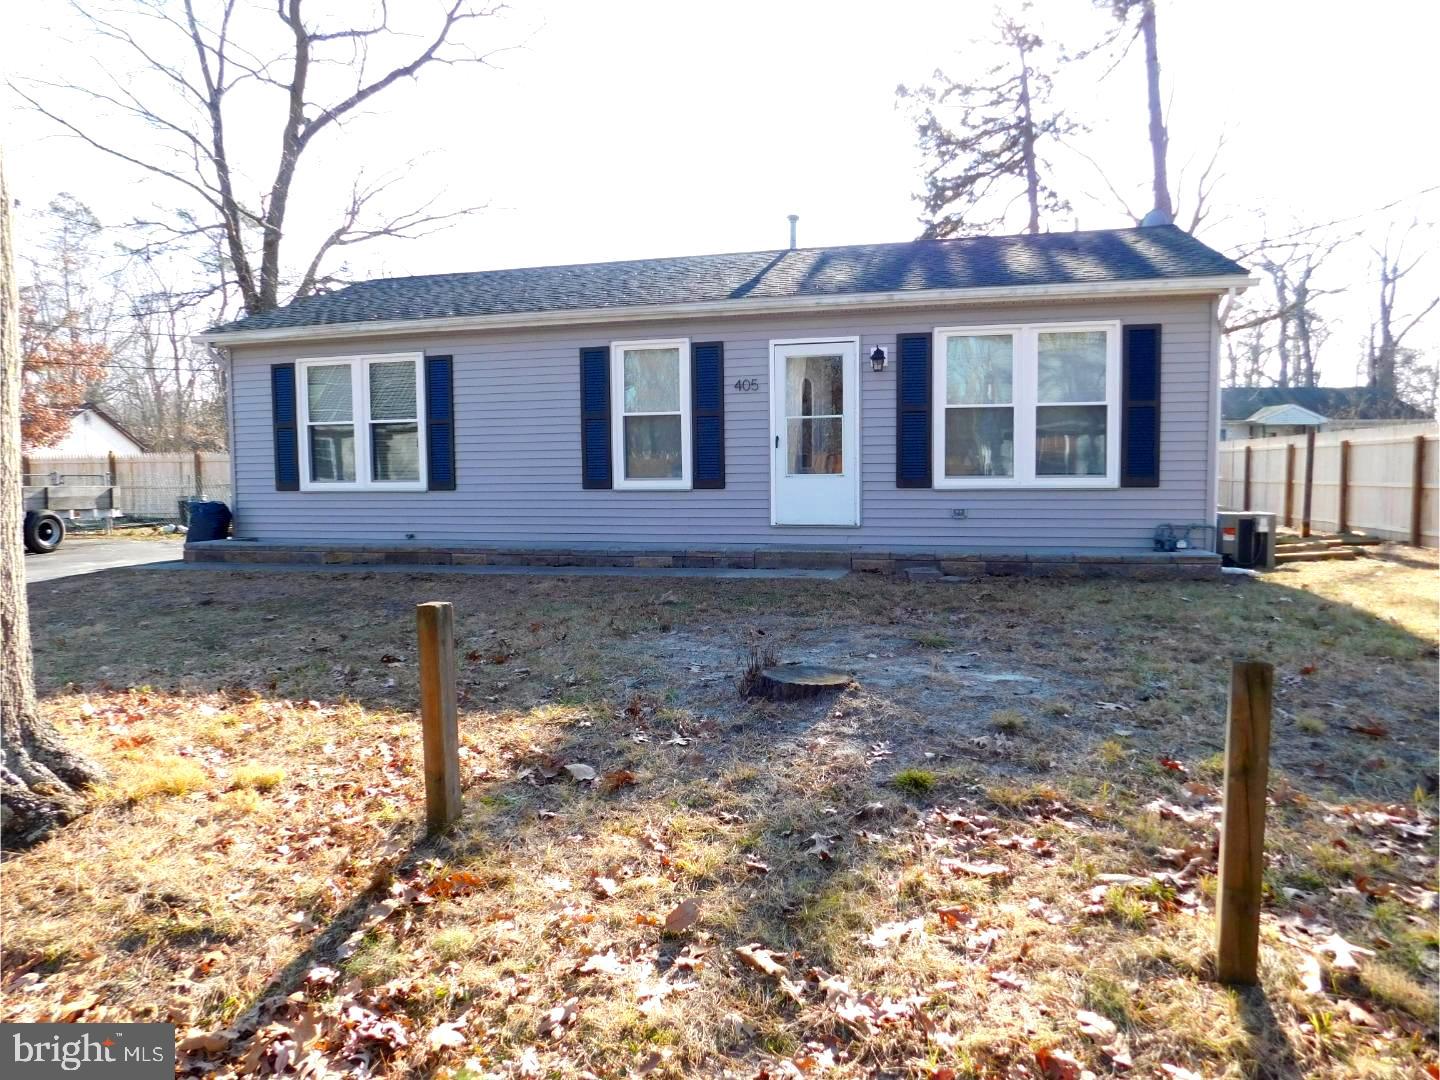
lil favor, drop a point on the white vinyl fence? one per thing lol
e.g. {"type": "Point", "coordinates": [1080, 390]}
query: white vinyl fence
{"type": "Point", "coordinates": [1382, 481]}
{"type": "Point", "coordinates": [145, 485]}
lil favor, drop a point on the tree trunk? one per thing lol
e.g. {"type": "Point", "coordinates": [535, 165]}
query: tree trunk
{"type": "Point", "coordinates": [1032, 174]}
{"type": "Point", "coordinates": [39, 778]}
{"type": "Point", "coordinates": [1159, 138]}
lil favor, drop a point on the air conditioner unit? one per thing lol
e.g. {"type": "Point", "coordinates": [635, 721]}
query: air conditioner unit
{"type": "Point", "coordinates": [1247, 538]}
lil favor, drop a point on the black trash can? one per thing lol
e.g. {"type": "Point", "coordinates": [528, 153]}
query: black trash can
{"type": "Point", "coordinates": [208, 521]}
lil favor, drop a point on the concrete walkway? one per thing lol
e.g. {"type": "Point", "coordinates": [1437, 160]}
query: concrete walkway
{"type": "Point", "coordinates": [77, 556]}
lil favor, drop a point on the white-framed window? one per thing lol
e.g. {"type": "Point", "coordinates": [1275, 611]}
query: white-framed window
{"type": "Point", "coordinates": [361, 422]}
{"type": "Point", "coordinates": [1027, 405]}
{"type": "Point", "coordinates": [650, 414]}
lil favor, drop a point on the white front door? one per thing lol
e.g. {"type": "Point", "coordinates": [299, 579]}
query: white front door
{"type": "Point", "coordinates": [815, 432]}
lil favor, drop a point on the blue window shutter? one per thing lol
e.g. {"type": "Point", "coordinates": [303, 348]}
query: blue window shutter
{"type": "Point", "coordinates": [595, 418]}
{"type": "Point", "coordinates": [1140, 407]}
{"type": "Point", "coordinates": [707, 414]}
{"type": "Point", "coordinates": [282, 418]}
{"type": "Point", "coordinates": [912, 411]}
{"type": "Point", "coordinates": [440, 422]}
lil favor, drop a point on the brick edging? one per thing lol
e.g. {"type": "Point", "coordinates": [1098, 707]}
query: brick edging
{"type": "Point", "coordinates": [912, 566]}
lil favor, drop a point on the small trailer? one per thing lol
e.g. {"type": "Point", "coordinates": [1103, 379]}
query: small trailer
{"type": "Point", "coordinates": [48, 505]}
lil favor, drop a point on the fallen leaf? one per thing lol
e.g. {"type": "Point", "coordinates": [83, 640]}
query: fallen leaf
{"type": "Point", "coordinates": [755, 866]}
{"type": "Point", "coordinates": [606, 963]}
{"type": "Point", "coordinates": [580, 772]}
{"type": "Point", "coordinates": [1360, 1016]}
{"type": "Point", "coordinates": [685, 915]}
{"type": "Point", "coordinates": [205, 1043]}
{"type": "Point", "coordinates": [618, 778]}
{"type": "Point", "coordinates": [1310, 979]}
{"type": "Point", "coordinates": [558, 1020]}
{"type": "Point", "coordinates": [1096, 1026]}
{"type": "Point", "coordinates": [762, 959]}
{"type": "Point", "coordinates": [446, 1036]}
{"type": "Point", "coordinates": [74, 1008]}
{"type": "Point", "coordinates": [1174, 766]}
{"type": "Point", "coordinates": [604, 886]}
{"type": "Point", "coordinates": [820, 846]}
{"type": "Point", "coordinates": [1008, 979]}
{"type": "Point", "coordinates": [887, 934]}
{"type": "Point", "coordinates": [1344, 952]}
{"type": "Point", "coordinates": [1058, 1065]}
{"type": "Point", "coordinates": [957, 866]}
{"type": "Point", "coordinates": [1179, 1072]}
{"type": "Point", "coordinates": [1375, 731]}
{"type": "Point", "coordinates": [954, 917]}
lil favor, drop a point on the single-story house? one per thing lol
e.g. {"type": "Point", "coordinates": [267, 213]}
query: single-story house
{"type": "Point", "coordinates": [1256, 412]}
{"type": "Point", "coordinates": [93, 432]}
{"type": "Point", "coordinates": [1287, 419]}
{"type": "Point", "coordinates": [1002, 398]}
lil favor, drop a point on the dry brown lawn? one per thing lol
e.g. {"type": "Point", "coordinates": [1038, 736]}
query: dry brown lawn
{"type": "Point", "coordinates": [993, 855]}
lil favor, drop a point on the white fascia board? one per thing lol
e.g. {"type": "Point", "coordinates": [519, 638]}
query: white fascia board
{"type": "Point", "coordinates": [909, 298]}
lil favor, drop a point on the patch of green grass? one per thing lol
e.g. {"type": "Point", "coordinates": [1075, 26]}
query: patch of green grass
{"type": "Point", "coordinates": [915, 781]}
{"type": "Point", "coordinates": [1108, 997]}
{"type": "Point", "coordinates": [377, 960]}
{"type": "Point", "coordinates": [932, 641]}
{"type": "Point", "coordinates": [1111, 752]}
{"type": "Point", "coordinates": [1310, 724]}
{"type": "Point", "coordinates": [1008, 721]}
{"type": "Point", "coordinates": [453, 942]}
{"type": "Point", "coordinates": [1126, 908]}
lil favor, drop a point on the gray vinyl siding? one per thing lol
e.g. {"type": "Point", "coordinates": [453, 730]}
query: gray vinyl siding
{"type": "Point", "coordinates": [518, 446]}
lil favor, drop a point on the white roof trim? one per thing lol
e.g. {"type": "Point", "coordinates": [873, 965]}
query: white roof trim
{"type": "Point", "coordinates": [908, 298]}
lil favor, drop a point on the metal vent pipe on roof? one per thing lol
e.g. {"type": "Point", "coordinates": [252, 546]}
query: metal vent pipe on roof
{"type": "Point", "coordinates": [793, 219]}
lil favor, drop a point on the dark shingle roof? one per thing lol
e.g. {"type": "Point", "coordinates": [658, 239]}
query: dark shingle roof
{"type": "Point", "coordinates": [1334, 402]}
{"type": "Point", "coordinates": [1139, 254]}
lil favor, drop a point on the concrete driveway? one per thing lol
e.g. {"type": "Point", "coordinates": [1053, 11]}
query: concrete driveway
{"type": "Point", "coordinates": [75, 557]}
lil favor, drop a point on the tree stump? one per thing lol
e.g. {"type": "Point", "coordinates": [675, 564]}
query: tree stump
{"type": "Point", "coordinates": [791, 682]}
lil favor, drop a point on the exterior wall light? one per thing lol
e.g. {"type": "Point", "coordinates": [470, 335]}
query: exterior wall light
{"type": "Point", "coordinates": [877, 359]}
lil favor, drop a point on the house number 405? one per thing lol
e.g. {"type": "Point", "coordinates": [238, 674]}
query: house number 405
{"type": "Point", "coordinates": [745, 386]}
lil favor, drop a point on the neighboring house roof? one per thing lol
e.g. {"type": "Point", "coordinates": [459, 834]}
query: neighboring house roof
{"type": "Point", "coordinates": [1152, 254]}
{"type": "Point", "coordinates": [1335, 402]}
{"type": "Point", "coordinates": [1289, 415]}
{"type": "Point", "coordinates": [104, 416]}
{"type": "Point", "coordinates": [121, 428]}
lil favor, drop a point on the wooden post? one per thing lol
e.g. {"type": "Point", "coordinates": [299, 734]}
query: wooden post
{"type": "Point", "coordinates": [1289, 484]}
{"type": "Point", "coordinates": [1309, 482]}
{"type": "Point", "coordinates": [199, 473]}
{"type": "Point", "coordinates": [1417, 495]}
{"type": "Point", "coordinates": [110, 466]}
{"type": "Point", "coordinates": [1245, 504]}
{"type": "Point", "coordinates": [1343, 515]}
{"type": "Point", "coordinates": [435, 624]}
{"type": "Point", "coordinates": [1242, 826]}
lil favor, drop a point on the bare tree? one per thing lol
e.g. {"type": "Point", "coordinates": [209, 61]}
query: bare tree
{"type": "Point", "coordinates": [1389, 328]}
{"type": "Point", "coordinates": [1143, 14]}
{"type": "Point", "coordinates": [167, 389]}
{"type": "Point", "coordinates": [1300, 329]}
{"type": "Point", "coordinates": [40, 779]}
{"type": "Point", "coordinates": [993, 147]}
{"type": "Point", "coordinates": [206, 61]}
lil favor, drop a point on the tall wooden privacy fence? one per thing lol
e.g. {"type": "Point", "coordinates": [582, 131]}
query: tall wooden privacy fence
{"type": "Point", "coordinates": [1382, 481]}
{"type": "Point", "coordinates": [145, 485]}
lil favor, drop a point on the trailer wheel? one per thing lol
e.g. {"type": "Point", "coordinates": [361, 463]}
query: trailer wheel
{"type": "Point", "coordinates": [43, 532]}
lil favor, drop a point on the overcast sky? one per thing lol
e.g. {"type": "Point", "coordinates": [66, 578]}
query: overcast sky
{"type": "Point", "coordinates": [630, 129]}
